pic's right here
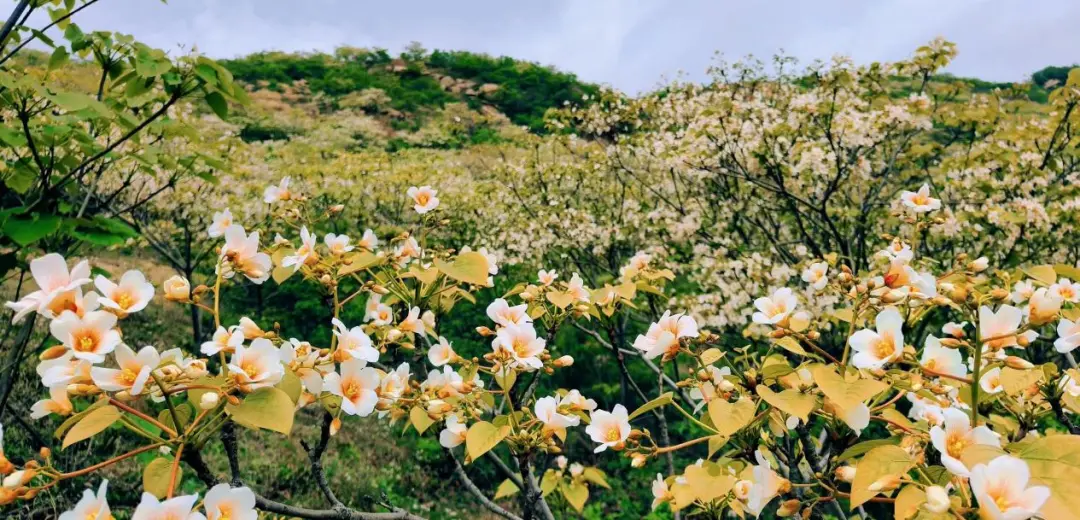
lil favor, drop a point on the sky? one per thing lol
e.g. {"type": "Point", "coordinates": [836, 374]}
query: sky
{"type": "Point", "coordinates": [629, 44]}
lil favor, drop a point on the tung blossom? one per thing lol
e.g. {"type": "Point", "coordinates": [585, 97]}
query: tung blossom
{"type": "Point", "coordinates": [89, 337]}
{"type": "Point", "coordinates": [56, 287]}
{"type": "Point", "coordinates": [133, 372]}
{"type": "Point", "coordinates": [241, 254]}
{"type": "Point", "coordinates": [521, 344]}
{"type": "Point", "coordinates": [876, 348]}
{"type": "Point", "coordinates": [356, 385]}
{"type": "Point", "coordinates": [222, 221]}
{"type": "Point", "coordinates": [941, 359]}
{"type": "Point", "coordinates": [453, 434]}
{"type": "Point", "coordinates": [609, 429]}
{"type": "Point", "coordinates": [132, 294]}
{"type": "Point", "coordinates": [92, 506]}
{"type": "Point", "coordinates": [279, 193]}
{"type": "Point", "coordinates": [1066, 290]}
{"type": "Point", "coordinates": [546, 278]}
{"type": "Point", "coordinates": [223, 341]}
{"type": "Point", "coordinates": [547, 411]}
{"type": "Point", "coordinates": [664, 335]}
{"type": "Point", "coordinates": [956, 435]}
{"type": "Point", "coordinates": [920, 201]}
{"type": "Point", "coordinates": [1068, 336]}
{"type": "Point", "coordinates": [256, 366]}
{"type": "Point", "coordinates": [503, 314]}
{"type": "Point", "coordinates": [305, 253]}
{"type": "Point", "coordinates": [424, 198]}
{"type": "Point", "coordinates": [775, 308]}
{"type": "Point", "coordinates": [1001, 489]}
{"type": "Point", "coordinates": [998, 329]}
{"type": "Point", "coordinates": [354, 342]}
{"type": "Point", "coordinates": [57, 403]}
{"type": "Point", "coordinates": [816, 275]}
{"type": "Point", "coordinates": [441, 353]}
{"type": "Point", "coordinates": [337, 244]}
{"type": "Point", "coordinates": [224, 502]}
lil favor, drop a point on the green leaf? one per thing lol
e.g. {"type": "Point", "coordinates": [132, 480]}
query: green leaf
{"type": "Point", "coordinates": [844, 392]}
{"type": "Point", "coordinates": [291, 385]}
{"type": "Point", "coordinates": [729, 418]}
{"type": "Point", "coordinates": [470, 267]}
{"type": "Point", "coordinates": [791, 402]}
{"type": "Point", "coordinates": [506, 489]}
{"type": "Point", "coordinates": [268, 408]}
{"type": "Point", "coordinates": [866, 446]}
{"type": "Point", "coordinates": [183, 414]}
{"type": "Point", "coordinates": [664, 400]}
{"type": "Point", "coordinates": [94, 423]}
{"type": "Point", "coordinates": [157, 475]}
{"type": "Point", "coordinates": [482, 436]}
{"type": "Point", "coordinates": [58, 58]}
{"type": "Point", "coordinates": [878, 463]}
{"type": "Point", "coordinates": [218, 104]}
{"type": "Point", "coordinates": [25, 231]}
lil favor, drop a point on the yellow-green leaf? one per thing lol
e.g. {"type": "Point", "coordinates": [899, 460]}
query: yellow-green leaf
{"type": "Point", "coordinates": [291, 385]}
{"type": "Point", "coordinates": [1068, 271]}
{"type": "Point", "coordinates": [470, 267]}
{"type": "Point", "coordinates": [1015, 381]}
{"type": "Point", "coordinates": [157, 475]}
{"type": "Point", "coordinates": [268, 408]}
{"type": "Point", "coordinates": [880, 462]}
{"type": "Point", "coordinates": [1042, 273]}
{"type": "Point", "coordinates": [420, 419]}
{"type": "Point", "coordinates": [560, 299]}
{"type": "Point", "coordinates": [711, 356]}
{"type": "Point", "coordinates": [1054, 462]}
{"type": "Point", "coordinates": [846, 394]}
{"type": "Point", "coordinates": [664, 400]}
{"type": "Point", "coordinates": [709, 481]}
{"type": "Point", "coordinates": [790, 344]}
{"type": "Point", "coordinates": [596, 476]}
{"type": "Point", "coordinates": [92, 424]}
{"type": "Point", "coordinates": [74, 419]}
{"type": "Point", "coordinates": [506, 489]}
{"type": "Point", "coordinates": [576, 494]}
{"type": "Point", "coordinates": [729, 418]}
{"type": "Point", "coordinates": [908, 502]}
{"type": "Point", "coordinates": [483, 436]}
{"type": "Point", "coordinates": [792, 402]}
{"type": "Point", "coordinates": [359, 262]}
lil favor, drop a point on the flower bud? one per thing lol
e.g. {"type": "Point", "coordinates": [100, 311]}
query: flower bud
{"type": "Point", "coordinates": [53, 352]}
{"type": "Point", "coordinates": [393, 335]}
{"type": "Point", "coordinates": [177, 289]}
{"type": "Point", "coordinates": [979, 265]}
{"type": "Point", "coordinates": [1018, 363]}
{"type": "Point", "coordinates": [209, 401]}
{"type": "Point", "coordinates": [563, 361]}
{"type": "Point", "coordinates": [788, 508]}
{"type": "Point", "coordinates": [886, 483]}
{"type": "Point", "coordinates": [725, 386]}
{"type": "Point", "coordinates": [845, 473]}
{"type": "Point", "coordinates": [378, 289]}
{"type": "Point", "coordinates": [337, 208]}
{"type": "Point", "coordinates": [999, 293]}
{"type": "Point", "coordinates": [335, 425]}
{"type": "Point", "coordinates": [638, 460]}
{"type": "Point", "coordinates": [484, 331]}
{"type": "Point", "coordinates": [937, 499]}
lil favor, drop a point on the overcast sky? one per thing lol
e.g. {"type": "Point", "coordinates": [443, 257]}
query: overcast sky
{"type": "Point", "coordinates": [630, 44]}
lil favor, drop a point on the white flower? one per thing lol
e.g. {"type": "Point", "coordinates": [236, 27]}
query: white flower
{"type": "Point", "coordinates": [412, 322]}
{"type": "Point", "coordinates": [775, 309]}
{"type": "Point", "coordinates": [356, 386]}
{"type": "Point", "coordinates": [407, 250]}
{"type": "Point", "coordinates": [224, 502]}
{"type": "Point", "coordinates": [58, 403]}
{"type": "Point", "coordinates": [546, 278]}
{"type": "Point", "coordinates": [256, 366]}
{"type": "Point", "coordinates": [857, 417]}
{"type": "Point", "coordinates": [241, 253]}
{"type": "Point", "coordinates": [920, 201]}
{"type": "Point", "coordinates": [381, 315]}
{"type": "Point", "coordinates": [368, 241]}
{"type": "Point", "coordinates": [177, 288]}
{"type": "Point", "coordinates": [503, 314]}
{"type": "Point", "coordinates": [522, 345]}
{"type": "Point", "coordinates": [277, 193]}
{"type": "Point", "coordinates": [91, 506]}
{"type": "Point", "coordinates": [1043, 307]}
{"type": "Point", "coordinates": [897, 251]}
{"type": "Point", "coordinates": [956, 436]}
{"type": "Point", "coordinates": [576, 469]}
{"type": "Point", "coordinates": [1068, 336]}
{"type": "Point", "coordinates": [394, 383]}
{"type": "Point", "coordinates": [997, 329]}
{"type": "Point", "coordinates": [576, 289]}
{"type": "Point", "coordinates": [249, 328]}
{"type": "Point", "coordinates": [56, 286]}
{"type": "Point", "coordinates": [979, 264]}
{"type": "Point", "coordinates": [441, 353]}
{"type": "Point", "coordinates": [134, 371]}
{"type": "Point", "coordinates": [664, 335]}
{"type": "Point", "coordinates": [453, 434]}
{"type": "Point", "coordinates": [132, 294]}
{"type": "Point", "coordinates": [637, 263]}
{"type": "Point", "coordinates": [660, 491]}
{"type": "Point", "coordinates": [923, 409]}
{"type": "Point", "coordinates": [610, 429]}
{"type": "Point", "coordinates": [937, 499]}
{"type": "Point", "coordinates": [816, 275]}
{"type": "Point", "coordinates": [305, 254]}
{"type": "Point", "coordinates": [954, 329]}
{"type": "Point", "coordinates": [424, 198]}
{"type": "Point", "coordinates": [178, 508]}
{"type": "Point", "coordinates": [876, 348]}
{"type": "Point", "coordinates": [63, 369]}
{"type": "Point", "coordinates": [1067, 290]}
{"type": "Point", "coordinates": [942, 359]}
{"type": "Point", "coordinates": [576, 401]}
{"type": "Point", "coordinates": [89, 337]}
{"type": "Point", "coordinates": [1001, 488]}
{"type": "Point", "coordinates": [223, 340]}
{"type": "Point", "coordinates": [547, 411]}
{"type": "Point", "coordinates": [766, 485]}
{"type": "Point", "coordinates": [990, 381]}
{"type": "Point", "coordinates": [1022, 290]}
{"type": "Point", "coordinates": [222, 220]}
{"type": "Point", "coordinates": [355, 342]}
{"type": "Point", "coordinates": [337, 244]}
{"type": "Point", "coordinates": [707, 391]}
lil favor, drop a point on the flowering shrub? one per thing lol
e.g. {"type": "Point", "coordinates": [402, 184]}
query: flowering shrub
{"type": "Point", "coordinates": [934, 387]}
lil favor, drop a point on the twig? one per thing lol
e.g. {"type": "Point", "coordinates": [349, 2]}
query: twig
{"type": "Point", "coordinates": [484, 501]}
